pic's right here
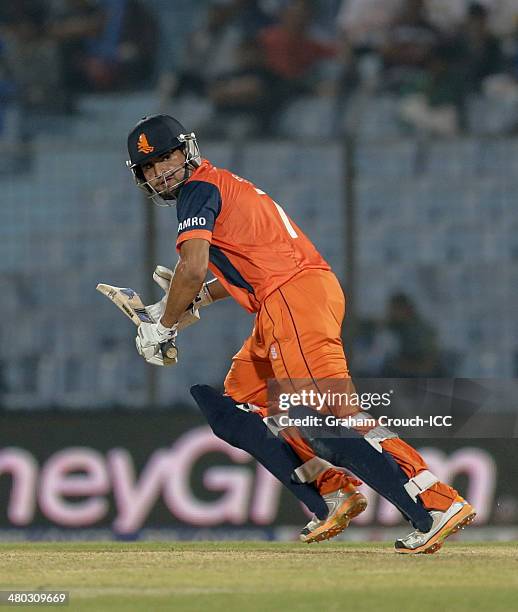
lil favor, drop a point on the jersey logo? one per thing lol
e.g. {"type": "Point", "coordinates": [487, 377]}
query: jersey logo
{"type": "Point", "coordinates": [143, 145]}
{"type": "Point", "coordinates": [192, 222]}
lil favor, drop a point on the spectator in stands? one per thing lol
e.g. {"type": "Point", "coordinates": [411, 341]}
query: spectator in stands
{"type": "Point", "coordinates": [436, 104]}
{"type": "Point", "coordinates": [480, 50]}
{"type": "Point", "coordinates": [410, 41]}
{"type": "Point", "coordinates": [106, 45]}
{"type": "Point", "coordinates": [7, 84]}
{"type": "Point", "coordinates": [17, 156]}
{"type": "Point", "coordinates": [130, 43]}
{"type": "Point", "coordinates": [512, 52]}
{"type": "Point", "coordinates": [417, 354]}
{"type": "Point", "coordinates": [203, 50]}
{"type": "Point", "coordinates": [290, 50]}
{"type": "Point", "coordinates": [250, 16]}
{"type": "Point", "coordinates": [252, 93]}
{"type": "Point", "coordinates": [391, 29]}
{"type": "Point", "coordinates": [211, 50]}
{"type": "Point", "coordinates": [366, 23]}
{"type": "Point", "coordinates": [74, 25]}
{"type": "Point", "coordinates": [32, 59]}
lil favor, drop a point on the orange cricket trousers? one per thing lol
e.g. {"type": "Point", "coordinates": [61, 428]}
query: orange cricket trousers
{"type": "Point", "coordinates": [297, 336]}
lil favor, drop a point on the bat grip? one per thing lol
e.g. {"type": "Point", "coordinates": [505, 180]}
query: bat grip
{"type": "Point", "coordinates": [169, 350]}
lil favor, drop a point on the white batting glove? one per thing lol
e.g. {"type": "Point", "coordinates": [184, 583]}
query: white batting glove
{"type": "Point", "coordinates": [155, 343]}
{"type": "Point", "coordinates": [162, 276]}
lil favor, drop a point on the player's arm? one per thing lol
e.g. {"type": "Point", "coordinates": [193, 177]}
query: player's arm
{"type": "Point", "coordinates": [197, 208]}
{"type": "Point", "coordinates": [188, 278]}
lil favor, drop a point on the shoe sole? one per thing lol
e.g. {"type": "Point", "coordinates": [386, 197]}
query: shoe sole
{"type": "Point", "coordinates": [458, 521]}
{"type": "Point", "coordinates": [356, 504]}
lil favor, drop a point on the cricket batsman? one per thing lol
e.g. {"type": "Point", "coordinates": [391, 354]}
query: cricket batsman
{"type": "Point", "coordinates": [264, 261]}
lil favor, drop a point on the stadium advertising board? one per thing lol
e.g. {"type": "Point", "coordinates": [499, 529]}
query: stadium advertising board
{"type": "Point", "coordinates": [128, 471]}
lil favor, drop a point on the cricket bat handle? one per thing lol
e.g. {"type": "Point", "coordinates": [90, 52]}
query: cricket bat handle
{"type": "Point", "coordinates": [169, 350]}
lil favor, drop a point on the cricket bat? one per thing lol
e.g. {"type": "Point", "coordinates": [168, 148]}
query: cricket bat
{"type": "Point", "coordinates": [130, 303]}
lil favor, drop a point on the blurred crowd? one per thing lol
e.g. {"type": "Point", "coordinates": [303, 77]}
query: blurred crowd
{"type": "Point", "coordinates": [53, 51]}
{"type": "Point", "coordinates": [251, 58]}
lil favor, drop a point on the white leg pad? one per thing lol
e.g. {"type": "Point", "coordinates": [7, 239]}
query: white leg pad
{"type": "Point", "coordinates": [311, 470]}
{"type": "Point", "coordinates": [273, 424]}
{"type": "Point", "coordinates": [420, 483]}
{"type": "Point", "coordinates": [376, 436]}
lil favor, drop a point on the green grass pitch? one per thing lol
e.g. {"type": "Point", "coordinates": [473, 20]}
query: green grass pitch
{"type": "Point", "coordinates": [265, 576]}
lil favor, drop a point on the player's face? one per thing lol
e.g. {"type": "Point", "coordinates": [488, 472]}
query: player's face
{"type": "Point", "coordinates": [165, 172]}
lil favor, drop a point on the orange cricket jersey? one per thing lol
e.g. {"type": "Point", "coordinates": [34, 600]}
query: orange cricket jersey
{"type": "Point", "coordinates": [254, 246]}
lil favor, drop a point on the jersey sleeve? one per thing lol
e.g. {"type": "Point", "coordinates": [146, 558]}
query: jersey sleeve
{"type": "Point", "coordinates": [198, 207]}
